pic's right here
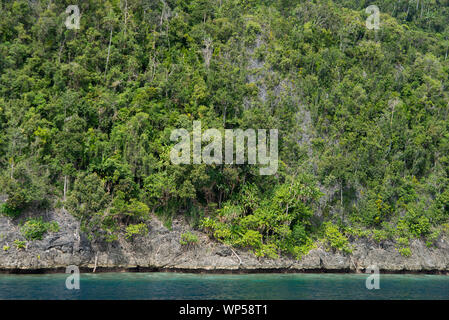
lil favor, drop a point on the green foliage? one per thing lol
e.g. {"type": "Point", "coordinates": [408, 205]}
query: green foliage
{"type": "Point", "coordinates": [100, 213]}
{"type": "Point", "coordinates": [132, 210]}
{"type": "Point", "coordinates": [24, 186]}
{"type": "Point", "coordinates": [374, 210]}
{"type": "Point", "coordinates": [134, 230]}
{"type": "Point", "coordinates": [405, 251]}
{"type": "Point", "coordinates": [17, 201]}
{"type": "Point", "coordinates": [20, 244]}
{"type": "Point", "coordinates": [380, 235]}
{"type": "Point", "coordinates": [250, 239]}
{"type": "Point", "coordinates": [418, 225]}
{"type": "Point", "coordinates": [86, 116]}
{"type": "Point", "coordinates": [335, 239]}
{"type": "Point", "coordinates": [302, 250]}
{"type": "Point", "coordinates": [188, 239]}
{"type": "Point", "coordinates": [8, 211]}
{"type": "Point", "coordinates": [34, 229]}
{"type": "Point", "coordinates": [267, 250]}
{"type": "Point", "coordinates": [278, 223]}
{"type": "Point", "coordinates": [359, 232]}
{"type": "Point", "coordinates": [432, 238]}
{"type": "Point", "coordinates": [87, 197]}
{"type": "Point", "coordinates": [6, 248]}
{"type": "Point", "coordinates": [53, 226]}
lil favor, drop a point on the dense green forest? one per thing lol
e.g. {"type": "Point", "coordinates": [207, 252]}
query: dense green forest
{"type": "Point", "coordinates": [86, 116]}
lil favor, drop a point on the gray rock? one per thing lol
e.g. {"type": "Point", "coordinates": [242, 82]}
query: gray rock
{"type": "Point", "coordinates": [161, 250]}
{"type": "Point", "coordinates": [223, 251]}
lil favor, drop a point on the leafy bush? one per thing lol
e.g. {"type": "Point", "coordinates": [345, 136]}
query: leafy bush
{"type": "Point", "coordinates": [250, 239]}
{"type": "Point", "coordinates": [188, 239]}
{"type": "Point", "coordinates": [379, 235]}
{"type": "Point", "coordinates": [20, 244]}
{"type": "Point", "coordinates": [300, 251]}
{"type": "Point", "coordinates": [24, 186]}
{"type": "Point", "coordinates": [445, 228]}
{"type": "Point", "coordinates": [8, 211]}
{"type": "Point", "coordinates": [373, 210]}
{"type": "Point", "coordinates": [335, 238]}
{"type": "Point", "coordinates": [53, 226]}
{"type": "Point", "coordinates": [279, 223]}
{"type": "Point", "coordinates": [17, 200]}
{"type": "Point", "coordinates": [267, 250]}
{"type": "Point", "coordinates": [418, 225]}
{"type": "Point", "coordinates": [102, 213]}
{"type": "Point", "coordinates": [34, 229]}
{"type": "Point", "coordinates": [403, 246]}
{"type": "Point", "coordinates": [405, 251]}
{"type": "Point", "coordinates": [357, 232]}
{"type": "Point", "coordinates": [433, 237]}
{"type": "Point", "coordinates": [299, 234]}
{"type": "Point", "coordinates": [136, 229]}
{"type": "Point", "coordinates": [403, 241]}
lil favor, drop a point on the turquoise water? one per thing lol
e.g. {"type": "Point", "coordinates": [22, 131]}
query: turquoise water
{"type": "Point", "coordinates": [125, 286]}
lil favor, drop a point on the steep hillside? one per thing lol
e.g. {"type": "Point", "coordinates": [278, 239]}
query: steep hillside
{"type": "Point", "coordinates": [87, 114]}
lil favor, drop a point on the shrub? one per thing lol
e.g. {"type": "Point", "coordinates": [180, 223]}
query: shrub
{"type": "Point", "coordinates": [357, 232]}
{"type": "Point", "coordinates": [136, 229]}
{"type": "Point", "coordinates": [433, 237]}
{"type": "Point", "coordinates": [373, 210]}
{"type": "Point", "coordinates": [9, 211]}
{"type": "Point", "coordinates": [406, 252]}
{"type": "Point", "coordinates": [299, 251]}
{"type": "Point", "coordinates": [110, 236]}
{"type": "Point", "coordinates": [267, 250]}
{"type": "Point", "coordinates": [188, 239]}
{"type": "Point", "coordinates": [34, 229]}
{"type": "Point", "coordinates": [403, 246]}
{"type": "Point", "coordinates": [252, 30]}
{"type": "Point", "coordinates": [17, 199]}
{"type": "Point", "coordinates": [20, 244]}
{"type": "Point", "coordinates": [379, 235]}
{"type": "Point", "coordinates": [218, 230]}
{"type": "Point", "coordinates": [6, 248]}
{"type": "Point", "coordinates": [299, 234]}
{"type": "Point", "coordinates": [53, 226]}
{"type": "Point", "coordinates": [251, 238]}
{"type": "Point", "coordinates": [418, 225]}
{"type": "Point", "coordinates": [403, 241]}
{"type": "Point", "coordinates": [335, 238]}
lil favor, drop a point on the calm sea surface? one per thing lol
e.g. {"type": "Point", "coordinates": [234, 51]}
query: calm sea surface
{"type": "Point", "coordinates": [205, 286]}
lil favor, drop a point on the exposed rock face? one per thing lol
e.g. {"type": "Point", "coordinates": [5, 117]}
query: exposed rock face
{"type": "Point", "coordinates": [161, 250]}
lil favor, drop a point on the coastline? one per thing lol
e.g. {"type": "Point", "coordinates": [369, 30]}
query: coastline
{"type": "Point", "coordinates": [161, 251]}
{"type": "Point", "coordinates": [86, 270]}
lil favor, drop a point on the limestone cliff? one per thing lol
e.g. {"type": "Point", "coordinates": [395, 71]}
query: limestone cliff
{"type": "Point", "coordinates": [161, 250]}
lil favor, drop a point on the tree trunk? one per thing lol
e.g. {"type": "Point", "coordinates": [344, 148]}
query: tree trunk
{"type": "Point", "coordinates": [126, 17]}
{"type": "Point", "coordinates": [96, 260]}
{"type": "Point", "coordinates": [12, 168]}
{"type": "Point", "coordinates": [341, 201]}
{"type": "Point", "coordinates": [109, 52]}
{"type": "Point", "coordinates": [65, 189]}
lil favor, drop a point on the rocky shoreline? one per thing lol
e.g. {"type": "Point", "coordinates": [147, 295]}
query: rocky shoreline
{"type": "Point", "coordinates": [161, 250]}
